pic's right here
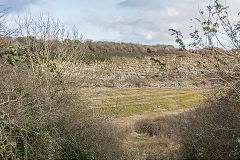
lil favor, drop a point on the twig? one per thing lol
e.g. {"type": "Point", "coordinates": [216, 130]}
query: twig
{"type": "Point", "coordinates": [9, 101]}
{"type": "Point", "coordinates": [2, 156]}
{"type": "Point", "coordinates": [6, 91]}
{"type": "Point", "coordinates": [18, 99]}
{"type": "Point", "coordinates": [227, 129]}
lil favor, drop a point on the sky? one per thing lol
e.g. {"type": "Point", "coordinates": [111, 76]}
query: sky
{"type": "Point", "coordinates": [136, 21]}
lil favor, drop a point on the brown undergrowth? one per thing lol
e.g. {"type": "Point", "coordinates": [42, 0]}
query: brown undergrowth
{"type": "Point", "coordinates": [210, 131]}
{"type": "Point", "coordinates": [39, 120]}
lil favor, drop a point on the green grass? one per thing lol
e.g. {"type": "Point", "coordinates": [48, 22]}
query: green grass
{"type": "Point", "coordinates": [121, 111]}
{"type": "Point", "coordinates": [132, 101]}
{"type": "Point", "coordinates": [93, 57]}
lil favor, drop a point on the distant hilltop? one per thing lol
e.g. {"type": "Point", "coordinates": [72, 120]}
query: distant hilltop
{"type": "Point", "coordinates": [113, 48]}
{"type": "Point", "coordinates": [92, 46]}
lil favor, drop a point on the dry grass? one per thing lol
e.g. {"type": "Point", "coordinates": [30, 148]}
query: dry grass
{"type": "Point", "coordinates": [153, 136]}
{"type": "Point", "coordinates": [38, 105]}
{"type": "Point", "coordinates": [129, 105]}
{"type": "Point", "coordinates": [132, 101]}
{"type": "Point", "coordinates": [210, 131]}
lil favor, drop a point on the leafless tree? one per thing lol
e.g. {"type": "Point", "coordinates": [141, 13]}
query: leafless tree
{"type": "Point", "coordinates": [4, 31]}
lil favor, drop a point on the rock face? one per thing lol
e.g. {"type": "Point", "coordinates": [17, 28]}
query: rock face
{"type": "Point", "coordinates": [178, 71]}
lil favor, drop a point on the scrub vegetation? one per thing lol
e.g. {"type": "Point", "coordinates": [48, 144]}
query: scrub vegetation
{"type": "Point", "coordinates": [50, 110]}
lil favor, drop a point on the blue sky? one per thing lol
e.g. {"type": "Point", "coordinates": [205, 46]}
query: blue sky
{"type": "Point", "coordinates": [137, 21]}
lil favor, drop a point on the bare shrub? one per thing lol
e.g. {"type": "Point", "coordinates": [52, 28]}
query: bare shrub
{"type": "Point", "coordinates": [91, 139]}
{"type": "Point", "coordinates": [163, 132]}
{"type": "Point", "coordinates": [156, 126]}
{"type": "Point", "coordinates": [38, 116]}
{"type": "Point", "coordinates": [29, 108]}
{"type": "Point", "coordinates": [211, 131]}
{"type": "Point", "coordinates": [38, 120]}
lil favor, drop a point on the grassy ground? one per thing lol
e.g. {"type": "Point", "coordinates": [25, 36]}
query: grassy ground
{"type": "Point", "coordinates": [125, 102]}
{"type": "Point", "coordinates": [129, 105]}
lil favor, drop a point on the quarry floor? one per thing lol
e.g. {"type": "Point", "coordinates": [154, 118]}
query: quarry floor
{"type": "Point", "coordinates": [126, 106]}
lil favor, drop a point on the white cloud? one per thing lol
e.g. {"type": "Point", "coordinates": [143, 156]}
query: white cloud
{"type": "Point", "coordinates": [148, 21]}
{"type": "Point", "coordinates": [148, 35]}
{"type": "Point", "coordinates": [172, 12]}
{"type": "Point", "coordinates": [141, 21]}
{"type": "Point", "coordinates": [144, 26]}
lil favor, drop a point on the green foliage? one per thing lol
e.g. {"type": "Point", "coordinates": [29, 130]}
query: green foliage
{"type": "Point", "coordinates": [220, 60]}
{"type": "Point", "coordinates": [236, 152]}
{"type": "Point", "coordinates": [178, 35]}
{"type": "Point", "coordinates": [18, 141]}
{"type": "Point", "coordinates": [15, 55]}
{"type": "Point", "coordinates": [235, 99]}
{"type": "Point", "coordinates": [52, 66]}
{"type": "Point", "coordinates": [180, 42]}
{"type": "Point", "coordinates": [89, 58]}
{"type": "Point", "coordinates": [21, 55]}
{"type": "Point", "coordinates": [213, 22]}
{"type": "Point", "coordinates": [6, 127]}
{"type": "Point", "coordinates": [130, 55]}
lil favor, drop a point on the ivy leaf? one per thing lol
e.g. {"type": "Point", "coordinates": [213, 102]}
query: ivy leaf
{"type": "Point", "coordinates": [16, 58]}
